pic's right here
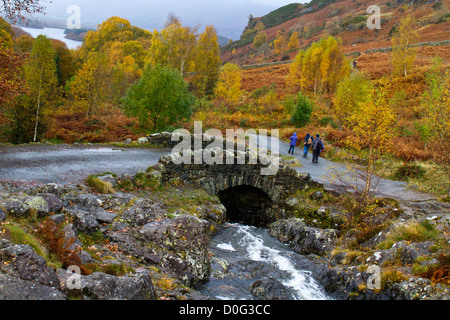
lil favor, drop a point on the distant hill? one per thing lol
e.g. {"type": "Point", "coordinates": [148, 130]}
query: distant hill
{"type": "Point", "coordinates": [345, 19]}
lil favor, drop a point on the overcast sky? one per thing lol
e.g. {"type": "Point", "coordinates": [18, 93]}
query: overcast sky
{"type": "Point", "coordinates": [228, 16]}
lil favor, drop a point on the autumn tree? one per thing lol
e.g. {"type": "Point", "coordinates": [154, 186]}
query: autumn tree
{"type": "Point", "coordinates": [12, 84]}
{"type": "Point", "coordinates": [160, 99]}
{"type": "Point", "coordinates": [89, 88]}
{"type": "Point", "coordinates": [294, 79]}
{"type": "Point", "coordinates": [115, 29]}
{"type": "Point", "coordinates": [41, 77]}
{"type": "Point", "coordinates": [280, 43]}
{"type": "Point", "coordinates": [20, 9]}
{"type": "Point", "coordinates": [403, 54]}
{"type": "Point", "coordinates": [207, 62]}
{"type": "Point", "coordinates": [174, 45]}
{"type": "Point", "coordinates": [65, 62]}
{"type": "Point", "coordinates": [260, 26]}
{"type": "Point", "coordinates": [320, 68]}
{"type": "Point", "coordinates": [373, 129]}
{"type": "Point", "coordinates": [349, 94]}
{"type": "Point", "coordinates": [259, 40]}
{"type": "Point", "coordinates": [293, 40]}
{"type": "Point", "coordinates": [229, 84]}
{"type": "Point", "coordinates": [436, 102]}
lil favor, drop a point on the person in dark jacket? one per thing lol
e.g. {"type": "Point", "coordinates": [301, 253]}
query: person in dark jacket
{"type": "Point", "coordinates": [317, 147]}
{"type": "Point", "coordinates": [293, 143]}
{"type": "Point", "coordinates": [308, 143]}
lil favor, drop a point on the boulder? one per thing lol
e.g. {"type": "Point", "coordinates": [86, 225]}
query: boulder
{"type": "Point", "coordinates": [13, 288]}
{"type": "Point", "coordinates": [53, 202]}
{"type": "Point", "coordinates": [269, 289]}
{"type": "Point", "coordinates": [39, 205]}
{"type": "Point", "coordinates": [2, 215]}
{"type": "Point", "coordinates": [128, 141]}
{"type": "Point", "coordinates": [186, 238]}
{"type": "Point", "coordinates": [101, 286]}
{"type": "Point", "coordinates": [22, 262]}
{"type": "Point", "coordinates": [303, 239]}
{"type": "Point", "coordinates": [15, 207]}
{"type": "Point", "coordinates": [142, 140]}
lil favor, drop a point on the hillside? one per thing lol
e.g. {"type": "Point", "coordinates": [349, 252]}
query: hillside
{"type": "Point", "coordinates": [344, 19]}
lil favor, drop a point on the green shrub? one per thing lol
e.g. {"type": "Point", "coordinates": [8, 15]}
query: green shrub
{"type": "Point", "coordinates": [408, 171]}
{"type": "Point", "coordinates": [302, 111]}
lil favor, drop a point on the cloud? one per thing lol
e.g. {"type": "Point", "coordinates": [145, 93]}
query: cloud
{"type": "Point", "coordinates": [228, 16]}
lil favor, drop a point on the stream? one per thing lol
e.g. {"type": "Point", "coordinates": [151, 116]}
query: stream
{"type": "Point", "coordinates": [243, 255]}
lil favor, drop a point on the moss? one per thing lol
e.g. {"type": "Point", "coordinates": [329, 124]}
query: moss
{"type": "Point", "coordinates": [391, 276]}
{"type": "Point", "coordinates": [17, 235]}
{"type": "Point", "coordinates": [99, 185]}
{"type": "Point", "coordinates": [112, 269]}
{"type": "Point", "coordinates": [126, 185]}
{"type": "Point", "coordinates": [415, 232]}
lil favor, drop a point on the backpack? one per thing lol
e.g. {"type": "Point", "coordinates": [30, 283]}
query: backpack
{"type": "Point", "coordinates": [310, 141]}
{"type": "Point", "coordinates": [317, 144]}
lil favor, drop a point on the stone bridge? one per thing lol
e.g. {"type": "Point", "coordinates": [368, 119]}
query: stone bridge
{"type": "Point", "coordinates": [250, 197]}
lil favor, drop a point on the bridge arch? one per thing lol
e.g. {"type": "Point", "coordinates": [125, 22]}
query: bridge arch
{"type": "Point", "coordinates": [250, 198]}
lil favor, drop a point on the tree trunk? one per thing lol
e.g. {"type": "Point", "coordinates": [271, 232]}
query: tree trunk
{"type": "Point", "coordinates": [369, 173]}
{"type": "Point", "coordinates": [37, 111]}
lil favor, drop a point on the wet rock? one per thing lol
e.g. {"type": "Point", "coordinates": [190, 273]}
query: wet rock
{"type": "Point", "coordinates": [128, 141]}
{"type": "Point", "coordinates": [102, 216]}
{"type": "Point", "coordinates": [22, 262]}
{"type": "Point", "coordinates": [2, 215]}
{"type": "Point", "coordinates": [141, 212]}
{"type": "Point", "coordinates": [14, 207]}
{"type": "Point", "coordinates": [187, 237]}
{"type": "Point", "coordinates": [269, 289]}
{"type": "Point", "coordinates": [71, 236]}
{"type": "Point", "coordinates": [13, 288]}
{"type": "Point", "coordinates": [84, 221]}
{"type": "Point", "coordinates": [101, 286]}
{"type": "Point", "coordinates": [53, 202]}
{"type": "Point", "coordinates": [58, 218]}
{"type": "Point", "coordinates": [303, 239]}
{"type": "Point", "coordinates": [292, 202]}
{"type": "Point", "coordinates": [403, 252]}
{"type": "Point", "coordinates": [38, 205]}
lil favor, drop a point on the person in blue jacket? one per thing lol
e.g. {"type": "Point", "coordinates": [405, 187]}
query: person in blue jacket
{"type": "Point", "coordinates": [293, 143]}
{"type": "Point", "coordinates": [308, 143]}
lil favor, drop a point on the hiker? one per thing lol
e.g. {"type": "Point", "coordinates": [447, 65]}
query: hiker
{"type": "Point", "coordinates": [293, 143]}
{"type": "Point", "coordinates": [354, 64]}
{"type": "Point", "coordinates": [317, 147]}
{"type": "Point", "coordinates": [308, 143]}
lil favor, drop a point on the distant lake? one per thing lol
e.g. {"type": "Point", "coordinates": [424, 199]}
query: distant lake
{"type": "Point", "coordinates": [53, 33]}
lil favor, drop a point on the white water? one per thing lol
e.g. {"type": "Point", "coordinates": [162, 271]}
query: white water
{"type": "Point", "coordinates": [304, 285]}
{"type": "Point", "coordinates": [53, 33]}
{"type": "Point", "coordinates": [252, 254]}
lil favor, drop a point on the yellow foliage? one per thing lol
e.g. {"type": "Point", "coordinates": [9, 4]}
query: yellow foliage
{"type": "Point", "coordinates": [403, 56]}
{"type": "Point", "coordinates": [229, 85]}
{"type": "Point", "coordinates": [320, 68]}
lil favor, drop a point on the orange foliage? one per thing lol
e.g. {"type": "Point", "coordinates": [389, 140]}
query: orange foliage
{"type": "Point", "coordinates": [110, 126]}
